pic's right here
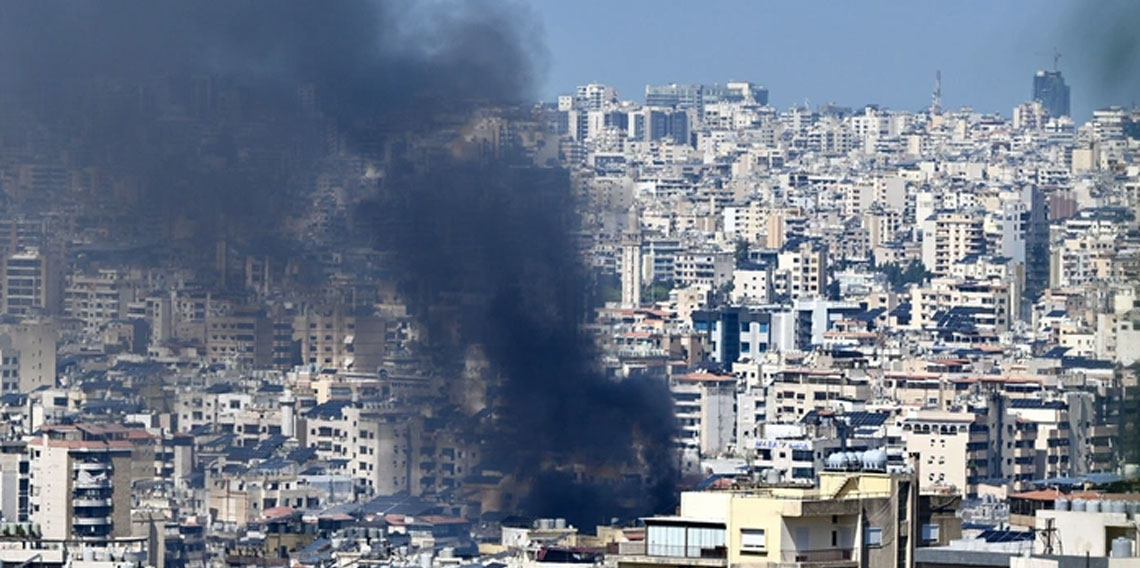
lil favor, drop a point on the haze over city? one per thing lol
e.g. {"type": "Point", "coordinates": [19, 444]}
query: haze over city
{"type": "Point", "coordinates": [849, 53]}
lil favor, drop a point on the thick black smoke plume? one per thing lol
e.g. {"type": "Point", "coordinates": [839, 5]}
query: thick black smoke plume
{"type": "Point", "coordinates": [480, 238]}
{"type": "Point", "coordinates": [1101, 49]}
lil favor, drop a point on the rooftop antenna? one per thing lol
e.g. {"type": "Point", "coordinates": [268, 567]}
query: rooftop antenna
{"type": "Point", "coordinates": [936, 96]}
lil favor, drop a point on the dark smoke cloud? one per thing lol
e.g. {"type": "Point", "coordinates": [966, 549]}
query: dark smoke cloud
{"type": "Point", "coordinates": [1100, 42]}
{"type": "Point", "coordinates": [499, 235]}
{"type": "Point", "coordinates": [484, 240]}
{"type": "Point", "coordinates": [106, 69]}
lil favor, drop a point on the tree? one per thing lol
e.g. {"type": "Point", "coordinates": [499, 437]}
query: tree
{"type": "Point", "coordinates": [742, 253]}
{"type": "Point", "coordinates": [898, 278]}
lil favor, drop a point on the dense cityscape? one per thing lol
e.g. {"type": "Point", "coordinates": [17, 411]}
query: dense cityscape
{"type": "Point", "coordinates": [269, 309]}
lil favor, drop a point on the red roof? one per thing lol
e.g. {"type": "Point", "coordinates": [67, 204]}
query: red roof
{"type": "Point", "coordinates": [276, 512]}
{"type": "Point", "coordinates": [705, 377]}
{"type": "Point", "coordinates": [442, 520]}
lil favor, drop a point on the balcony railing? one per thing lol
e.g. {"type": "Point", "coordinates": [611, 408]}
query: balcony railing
{"type": "Point", "coordinates": [91, 502]}
{"type": "Point", "coordinates": [85, 521]}
{"type": "Point", "coordinates": [92, 483]}
{"type": "Point", "coordinates": [681, 551]}
{"type": "Point", "coordinates": [827, 555]}
{"type": "Point", "coordinates": [92, 466]}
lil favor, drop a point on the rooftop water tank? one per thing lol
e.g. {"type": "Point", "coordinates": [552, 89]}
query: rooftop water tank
{"type": "Point", "coordinates": [836, 461]}
{"type": "Point", "coordinates": [1061, 504]}
{"type": "Point", "coordinates": [1093, 506]}
{"type": "Point", "coordinates": [1121, 547]}
{"type": "Point", "coordinates": [1131, 470]}
{"type": "Point", "coordinates": [1079, 505]}
{"type": "Point", "coordinates": [1131, 507]}
{"type": "Point", "coordinates": [875, 460]}
{"type": "Point", "coordinates": [772, 476]}
{"type": "Point", "coordinates": [560, 524]}
{"type": "Point", "coordinates": [1116, 507]}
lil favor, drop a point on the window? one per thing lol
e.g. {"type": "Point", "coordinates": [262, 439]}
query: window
{"type": "Point", "coordinates": [745, 347]}
{"type": "Point", "coordinates": [874, 536]}
{"type": "Point", "coordinates": [752, 540]}
{"type": "Point", "coordinates": [930, 533]}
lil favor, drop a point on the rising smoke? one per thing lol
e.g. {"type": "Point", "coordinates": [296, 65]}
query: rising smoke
{"type": "Point", "coordinates": [485, 236]}
{"type": "Point", "coordinates": [1100, 45]}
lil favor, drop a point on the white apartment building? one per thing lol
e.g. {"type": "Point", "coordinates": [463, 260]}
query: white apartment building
{"type": "Point", "coordinates": [803, 271]}
{"type": "Point", "coordinates": [752, 285]}
{"type": "Point", "coordinates": [29, 355]}
{"type": "Point", "coordinates": [704, 405]}
{"type": "Point", "coordinates": [97, 298]}
{"type": "Point", "coordinates": [708, 268]}
{"type": "Point", "coordinates": [950, 451]}
{"type": "Point", "coordinates": [948, 237]}
{"type": "Point", "coordinates": [79, 488]}
{"type": "Point", "coordinates": [30, 283]}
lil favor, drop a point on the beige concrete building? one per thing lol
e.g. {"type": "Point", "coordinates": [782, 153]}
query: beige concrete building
{"type": "Point", "coordinates": [950, 237]}
{"type": "Point", "coordinates": [951, 451]}
{"type": "Point", "coordinates": [704, 404]}
{"type": "Point", "coordinates": [796, 391]}
{"type": "Point", "coordinates": [857, 519]}
{"type": "Point", "coordinates": [703, 268]}
{"type": "Point", "coordinates": [29, 355]}
{"type": "Point", "coordinates": [751, 285]}
{"type": "Point", "coordinates": [98, 297]}
{"type": "Point", "coordinates": [243, 337]}
{"type": "Point", "coordinates": [30, 283]}
{"type": "Point", "coordinates": [987, 301]}
{"type": "Point", "coordinates": [339, 340]}
{"type": "Point", "coordinates": [79, 488]}
{"type": "Point", "coordinates": [803, 271]}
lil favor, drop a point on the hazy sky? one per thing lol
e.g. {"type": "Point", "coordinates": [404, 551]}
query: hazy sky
{"type": "Point", "coordinates": [847, 52]}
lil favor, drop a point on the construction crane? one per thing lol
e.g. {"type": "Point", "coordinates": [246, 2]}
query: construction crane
{"type": "Point", "coordinates": [1056, 55]}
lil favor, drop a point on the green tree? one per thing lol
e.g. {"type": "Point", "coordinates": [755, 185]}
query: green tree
{"type": "Point", "coordinates": [742, 253]}
{"type": "Point", "coordinates": [898, 277]}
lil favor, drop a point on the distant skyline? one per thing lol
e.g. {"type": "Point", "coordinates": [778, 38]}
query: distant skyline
{"type": "Point", "coordinates": [849, 53]}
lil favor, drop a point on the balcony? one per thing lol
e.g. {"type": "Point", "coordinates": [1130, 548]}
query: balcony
{"type": "Point", "coordinates": [827, 557]}
{"type": "Point", "coordinates": [91, 502]}
{"type": "Point", "coordinates": [89, 482]}
{"type": "Point", "coordinates": [92, 466]}
{"type": "Point", "coordinates": [635, 553]}
{"type": "Point", "coordinates": [91, 521]}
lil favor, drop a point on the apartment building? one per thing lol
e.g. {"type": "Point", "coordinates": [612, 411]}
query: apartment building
{"type": "Point", "coordinates": [952, 449]}
{"type": "Point", "coordinates": [983, 303]}
{"type": "Point", "coordinates": [243, 336]}
{"type": "Point", "coordinates": [803, 267]}
{"type": "Point", "coordinates": [703, 268]}
{"type": "Point", "coordinates": [29, 354]}
{"type": "Point", "coordinates": [735, 334]}
{"type": "Point", "coordinates": [704, 405]}
{"type": "Point", "coordinates": [794, 392]}
{"type": "Point", "coordinates": [340, 340]}
{"type": "Point", "coordinates": [79, 485]}
{"type": "Point", "coordinates": [752, 285]}
{"type": "Point", "coordinates": [859, 519]}
{"type": "Point", "coordinates": [948, 237]}
{"type": "Point", "coordinates": [30, 283]}
{"type": "Point", "coordinates": [98, 297]}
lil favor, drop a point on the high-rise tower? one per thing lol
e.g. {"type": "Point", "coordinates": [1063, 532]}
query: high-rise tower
{"type": "Point", "coordinates": [1050, 89]}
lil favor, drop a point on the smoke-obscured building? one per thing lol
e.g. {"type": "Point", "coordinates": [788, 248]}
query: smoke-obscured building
{"type": "Point", "coordinates": [1050, 88]}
